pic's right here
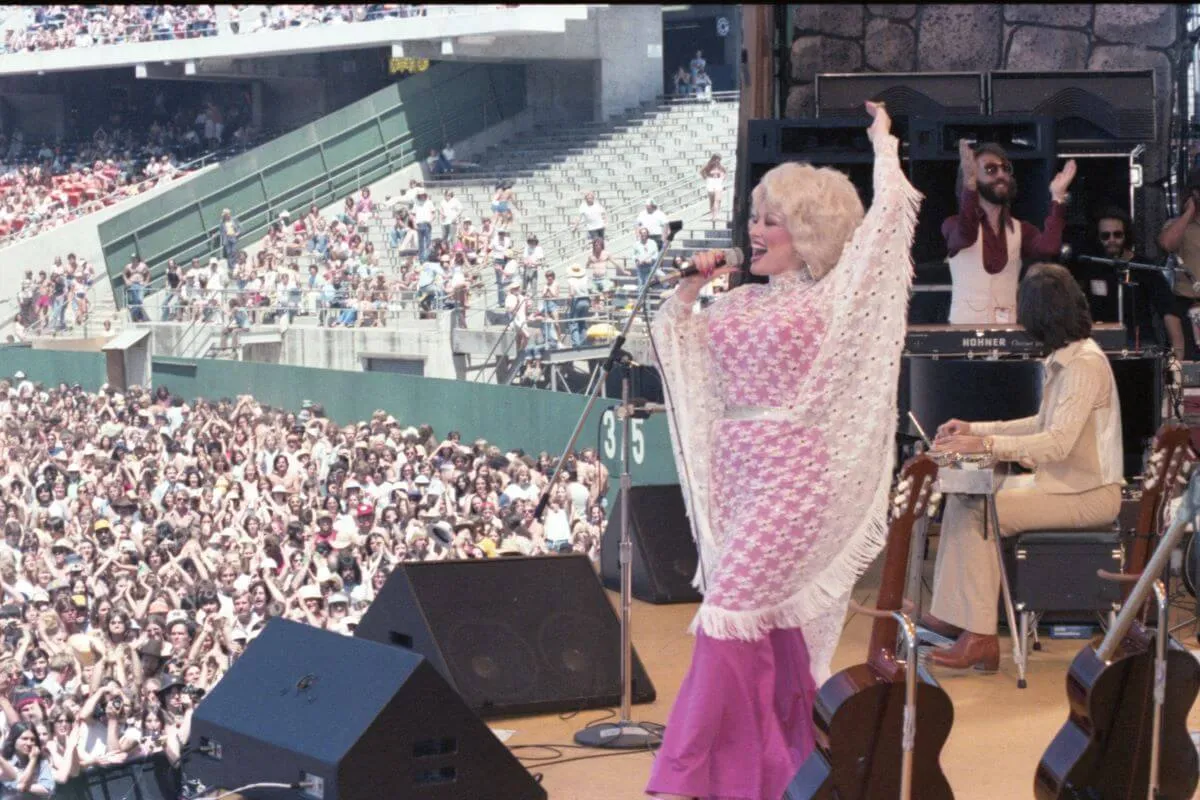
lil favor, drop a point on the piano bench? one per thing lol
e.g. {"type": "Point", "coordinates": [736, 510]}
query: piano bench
{"type": "Point", "coordinates": [1055, 571]}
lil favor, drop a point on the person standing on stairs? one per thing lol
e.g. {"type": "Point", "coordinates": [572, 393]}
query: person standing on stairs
{"type": "Point", "coordinates": [654, 221]}
{"type": "Point", "coordinates": [422, 213]}
{"type": "Point", "coordinates": [714, 175]}
{"type": "Point", "coordinates": [593, 217]}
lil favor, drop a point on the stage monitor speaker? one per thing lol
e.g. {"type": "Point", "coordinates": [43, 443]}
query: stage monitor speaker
{"type": "Point", "coordinates": [150, 778]}
{"type": "Point", "coordinates": [664, 555]}
{"type": "Point", "coordinates": [359, 719]}
{"type": "Point", "coordinates": [933, 170]}
{"type": "Point", "coordinates": [839, 142]}
{"type": "Point", "coordinates": [907, 94]}
{"type": "Point", "coordinates": [1101, 107]}
{"type": "Point", "coordinates": [929, 304]}
{"type": "Point", "coordinates": [644, 382]}
{"type": "Point", "coordinates": [511, 635]}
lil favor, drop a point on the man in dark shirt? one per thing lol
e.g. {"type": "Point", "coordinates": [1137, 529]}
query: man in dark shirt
{"type": "Point", "coordinates": [1150, 314]}
{"type": "Point", "coordinates": [986, 244]}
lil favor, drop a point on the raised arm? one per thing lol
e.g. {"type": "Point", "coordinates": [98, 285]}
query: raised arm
{"type": "Point", "coordinates": [878, 255]}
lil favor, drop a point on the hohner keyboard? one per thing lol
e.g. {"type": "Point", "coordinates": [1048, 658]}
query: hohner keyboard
{"type": "Point", "coordinates": [995, 341]}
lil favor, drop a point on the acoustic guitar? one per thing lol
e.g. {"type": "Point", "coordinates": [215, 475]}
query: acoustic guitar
{"type": "Point", "coordinates": [1105, 749]}
{"type": "Point", "coordinates": [859, 712]}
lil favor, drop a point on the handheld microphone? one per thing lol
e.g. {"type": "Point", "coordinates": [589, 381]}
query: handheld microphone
{"type": "Point", "coordinates": [725, 258]}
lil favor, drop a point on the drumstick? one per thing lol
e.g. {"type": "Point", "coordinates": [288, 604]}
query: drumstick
{"type": "Point", "coordinates": [913, 419]}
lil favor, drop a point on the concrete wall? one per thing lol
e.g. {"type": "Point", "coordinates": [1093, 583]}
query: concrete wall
{"type": "Point", "coordinates": [626, 40]}
{"type": "Point", "coordinates": [630, 56]}
{"type": "Point", "coordinates": [857, 37]}
{"type": "Point", "coordinates": [563, 91]}
{"type": "Point", "coordinates": [341, 348]}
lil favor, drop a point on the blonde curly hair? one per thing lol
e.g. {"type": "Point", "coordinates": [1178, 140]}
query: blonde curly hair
{"type": "Point", "coordinates": [821, 208]}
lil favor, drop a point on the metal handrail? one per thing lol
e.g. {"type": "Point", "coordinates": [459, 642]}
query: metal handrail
{"type": "Point", "coordinates": [396, 301]}
{"type": "Point", "coordinates": [393, 153]}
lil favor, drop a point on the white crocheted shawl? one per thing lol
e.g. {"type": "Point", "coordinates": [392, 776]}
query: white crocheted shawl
{"type": "Point", "coordinates": [849, 395]}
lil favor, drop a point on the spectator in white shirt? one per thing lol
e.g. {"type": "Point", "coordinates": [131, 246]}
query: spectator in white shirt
{"type": "Point", "coordinates": [592, 215]}
{"type": "Point", "coordinates": [531, 262]}
{"type": "Point", "coordinates": [451, 212]}
{"type": "Point", "coordinates": [423, 212]}
{"type": "Point", "coordinates": [645, 254]}
{"type": "Point", "coordinates": [654, 221]}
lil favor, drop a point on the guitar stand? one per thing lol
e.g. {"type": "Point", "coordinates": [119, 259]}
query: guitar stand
{"type": "Point", "coordinates": [1161, 635]}
{"type": "Point", "coordinates": [908, 739]}
{"type": "Point", "coordinates": [1160, 683]}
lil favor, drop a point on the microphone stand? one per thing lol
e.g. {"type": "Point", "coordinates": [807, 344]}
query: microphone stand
{"type": "Point", "coordinates": [624, 734]}
{"type": "Point", "coordinates": [1126, 269]}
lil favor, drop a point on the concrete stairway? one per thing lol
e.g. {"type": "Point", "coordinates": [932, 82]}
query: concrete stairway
{"type": "Point", "coordinates": [652, 152]}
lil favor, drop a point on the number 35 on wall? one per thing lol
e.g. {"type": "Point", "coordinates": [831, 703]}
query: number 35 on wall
{"type": "Point", "coordinates": [610, 438]}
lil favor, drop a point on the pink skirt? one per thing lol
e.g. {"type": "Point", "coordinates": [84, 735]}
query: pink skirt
{"type": "Point", "coordinates": [742, 724]}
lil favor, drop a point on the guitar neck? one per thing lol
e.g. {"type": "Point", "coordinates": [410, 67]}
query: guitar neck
{"type": "Point", "coordinates": [1140, 592]}
{"type": "Point", "coordinates": [885, 630]}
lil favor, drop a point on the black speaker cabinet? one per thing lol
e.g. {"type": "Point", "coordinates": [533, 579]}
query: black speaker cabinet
{"type": "Point", "coordinates": [1139, 381]}
{"type": "Point", "coordinates": [151, 778]}
{"type": "Point", "coordinates": [357, 719]}
{"type": "Point", "coordinates": [838, 142]}
{"type": "Point", "coordinates": [1101, 182]}
{"type": "Point", "coordinates": [664, 555]}
{"type": "Point", "coordinates": [1087, 107]}
{"type": "Point", "coordinates": [925, 94]}
{"type": "Point", "coordinates": [511, 635]}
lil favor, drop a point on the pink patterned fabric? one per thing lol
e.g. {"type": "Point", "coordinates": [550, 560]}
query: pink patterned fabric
{"type": "Point", "coordinates": [783, 405]}
{"type": "Point", "coordinates": [783, 421]}
{"type": "Point", "coordinates": [761, 342]}
{"type": "Point", "coordinates": [763, 728]}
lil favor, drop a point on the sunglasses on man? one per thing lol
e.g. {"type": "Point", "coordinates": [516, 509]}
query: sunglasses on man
{"type": "Point", "coordinates": [1106, 235]}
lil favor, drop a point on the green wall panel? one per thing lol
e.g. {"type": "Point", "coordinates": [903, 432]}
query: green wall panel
{"type": "Point", "coordinates": [506, 416]}
{"type": "Point", "coordinates": [322, 161]}
{"type": "Point", "coordinates": [53, 367]}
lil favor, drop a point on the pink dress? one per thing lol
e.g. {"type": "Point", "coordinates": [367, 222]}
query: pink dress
{"type": "Point", "coordinates": [761, 343]}
{"type": "Point", "coordinates": [783, 424]}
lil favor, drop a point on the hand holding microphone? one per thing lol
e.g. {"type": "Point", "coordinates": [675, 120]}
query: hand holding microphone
{"type": "Point", "coordinates": [702, 269]}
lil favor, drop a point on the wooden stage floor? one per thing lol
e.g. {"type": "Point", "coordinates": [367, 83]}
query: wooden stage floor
{"type": "Point", "coordinates": [998, 737]}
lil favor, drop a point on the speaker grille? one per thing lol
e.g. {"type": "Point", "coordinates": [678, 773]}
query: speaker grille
{"type": "Point", "coordinates": [519, 635]}
{"type": "Point", "coordinates": [1086, 106]}
{"type": "Point", "coordinates": [906, 94]}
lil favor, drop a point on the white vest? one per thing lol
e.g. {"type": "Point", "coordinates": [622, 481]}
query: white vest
{"type": "Point", "coordinates": [977, 296]}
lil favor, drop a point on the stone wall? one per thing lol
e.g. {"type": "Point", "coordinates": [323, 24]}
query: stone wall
{"type": "Point", "coordinates": [979, 38]}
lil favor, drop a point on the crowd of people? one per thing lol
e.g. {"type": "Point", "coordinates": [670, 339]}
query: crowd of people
{"type": "Point", "coordinates": [39, 196]}
{"type": "Point", "coordinates": [146, 541]}
{"type": "Point", "coordinates": [44, 185]}
{"type": "Point", "coordinates": [55, 298]}
{"type": "Point", "coordinates": [64, 27]}
{"type": "Point", "coordinates": [433, 258]}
